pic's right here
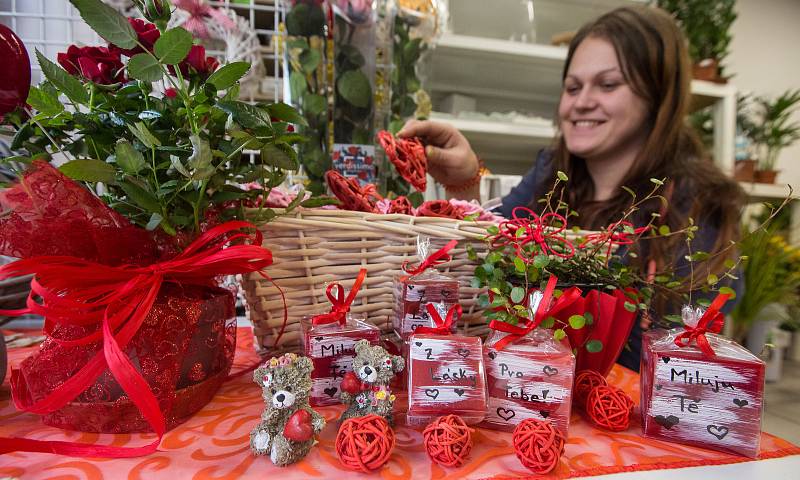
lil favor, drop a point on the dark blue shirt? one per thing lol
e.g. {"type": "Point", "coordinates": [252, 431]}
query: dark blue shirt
{"type": "Point", "coordinates": [535, 184]}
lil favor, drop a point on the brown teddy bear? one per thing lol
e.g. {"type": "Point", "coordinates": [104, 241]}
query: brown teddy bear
{"type": "Point", "coordinates": [365, 390]}
{"type": "Point", "coordinates": [288, 425]}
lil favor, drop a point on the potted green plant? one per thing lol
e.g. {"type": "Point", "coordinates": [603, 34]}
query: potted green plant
{"type": "Point", "coordinates": [706, 25]}
{"type": "Point", "coordinates": [773, 131]}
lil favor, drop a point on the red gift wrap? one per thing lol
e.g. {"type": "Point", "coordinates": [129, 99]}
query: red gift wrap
{"type": "Point", "coordinates": [530, 378]}
{"type": "Point", "coordinates": [331, 347]}
{"type": "Point", "coordinates": [446, 374]}
{"type": "Point", "coordinates": [708, 393]}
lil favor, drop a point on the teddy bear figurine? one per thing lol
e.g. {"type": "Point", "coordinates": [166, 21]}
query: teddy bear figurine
{"type": "Point", "coordinates": [288, 425]}
{"type": "Point", "coordinates": [365, 390]}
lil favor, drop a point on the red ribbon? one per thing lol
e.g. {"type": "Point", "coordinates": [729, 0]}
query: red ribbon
{"type": "Point", "coordinates": [711, 321]}
{"type": "Point", "coordinates": [443, 326]}
{"type": "Point", "coordinates": [438, 257]}
{"type": "Point", "coordinates": [515, 331]}
{"type": "Point", "coordinates": [536, 229]}
{"type": "Point", "coordinates": [613, 235]}
{"type": "Point", "coordinates": [74, 291]}
{"type": "Point", "coordinates": [340, 305]}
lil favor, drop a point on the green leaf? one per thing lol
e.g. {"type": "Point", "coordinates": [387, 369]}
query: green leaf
{"type": "Point", "coordinates": [315, 202]}
{"type": "Point", "coordinates": [143, 66]}
{"type": "Point", "coordinates": [173, 46]}
{"type": "Point", "coordinates": [310, 60]}
{"type": "Point", "coordinates": [589, 318]}
{"type": "Point", "coordinates": [594, 346]}
{"type": "Point", "coordinates": [285, 112]}
{"type": "Point", "coordinates": [703, 302]}
{"type": "Point", "coordinates": [629, 306]}
{"type": "Point", "coordinates": [128, 158]}
{"type": "Point", "coordinates": [728, 291]}
{"type": "Point", "coordinates": [246, 115]}
{"type": "Point", "coordinates": [314, 104]}
{"type": "Point", "coordinates": [517, 294]}
{"type": "Point", "coordinates": [354, 87]}
{"type": "Point", "coordinates": [548, 322]}
{"type": "Point", "coordinates": [140, 130]}
{"type": "Point", "coordinates": [272, 155]}
{"type": "Point", "coordinates": [729, 264]}
{"type": "Point", "coordinates": [577, 321]}
{"type": "Point", "coordinates": [297, 84]}
{"type": "Point", "coordinates": [673, 318]}
{"type": "Point", "coordinates": [155, 221]}
{"type": "Point", "coordinates": [630, 192]}
{"type": "Point", "coordinates": [228, 75]}
{"type": "Point", "coordinates": [712, 279]}
{"type": "Point", "coordinates": [88, 170]}
{"type": "Point", "coordinates": [140, 196]}
{"type": "Point", "coordinates": [43, 102]}
{"type": "Point", "coordinates": [519, 265]}
{"type": "Point", "coordinates": [63, 81]}
{"type": "Point", "coordinates": [492, 230]}
{"type": "Point", "coordinates": [200, 159]}
{"type": "Point", "coordinates": [559, 334]}
{"type": "Point", "coordinates": [562, 176]}
{"type": "Point", "coordinates": [657, 181]}
{"type": "Point", "coordinates": [664, 230]}
{"type": "Point", "coordinates": [107, 22]}
{"type": "Point", "coordinates": [541, 261]}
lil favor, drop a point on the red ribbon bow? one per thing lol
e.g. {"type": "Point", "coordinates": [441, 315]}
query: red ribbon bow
{"type": "Point", "coordinates": [711, 321]}
{"type": "Point", "coordinates": [118, 299]}
{"type": "Point", "coordinates": [613, 235]}
{"type": "Point", "coordinates": [443, 326]}
{"type": "Point", "coordinates": [340, 305]}
{"type": "Point", "coordinates": [536, 229]}
{"type": "Point", "coordinates": [198, 12]}
{"type": "Point", "coordinates": [438, 257]}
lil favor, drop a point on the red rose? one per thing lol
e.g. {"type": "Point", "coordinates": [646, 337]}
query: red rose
{"type": "Point", "coordinates": [99, 64]}
{"type": "Point", "coordinates": [197, 62]}
{"type": "Point", "coordinates": [148, 34]}
{"type": "Point", "coordinates": [170, 93]}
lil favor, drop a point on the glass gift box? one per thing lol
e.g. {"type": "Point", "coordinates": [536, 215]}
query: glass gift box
{"type": "Point", "coordinates": [330, 347]}
{"type": "Point", "coordinates": [530, 377]}
{"type": "Point", "coordinates": [689, 397]}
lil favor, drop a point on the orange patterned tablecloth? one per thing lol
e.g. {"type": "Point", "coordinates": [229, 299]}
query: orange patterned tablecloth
{"type": "Point", "coordinates": [214, 444]}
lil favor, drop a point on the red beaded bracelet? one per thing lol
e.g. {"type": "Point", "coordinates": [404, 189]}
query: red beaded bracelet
{"type": "Point", "coordinates": [471, 182]}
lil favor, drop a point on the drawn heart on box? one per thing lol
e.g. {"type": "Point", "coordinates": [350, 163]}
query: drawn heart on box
{"type": "Point", "coordinates": [299, 428]}
{"type": "Point", "coordinates": [544, 413]}
{"type": "Point", "coordinates": [549, 371]}
{"type": "Point", "coordinates": [665, 359]}
{"type": "Point", "coordinates": [419, 344]}
{"type": "Point", "coordinates": [658, 387]}
{"type": "Point", "coordinates": [463, 352]}
{"type": "Point", "coordinates": [319, 339]}
{"type": "Point", "coordinates": [459, 391]}
{"type": "Point", "coordinates": [492, 355]}
{"type": "Point", "coordinates": [330, 391]}
{"type": "Point", "coordinates": [505, 413]}
{"type": "Point", "coordinates": [718, 432]}
{"type": "Point", "coordinates": [740, 403]}
{"type": "Point", "coordinates": [432, 392]}
{"type": "Point", "coordinates": [667, 422]}
{"type": "Point", "coordinates": [411, 287]}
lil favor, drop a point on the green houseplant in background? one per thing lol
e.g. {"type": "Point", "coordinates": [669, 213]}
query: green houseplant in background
{"type": "Point", "coordinates": [706, 24]}
{"type": "Point", "coordinates": [773, 130]}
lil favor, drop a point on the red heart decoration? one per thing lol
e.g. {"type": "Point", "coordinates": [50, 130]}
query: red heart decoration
{"type": "Point", "coordinates": [350, 383]}
{"type": "Point", "coordinates": [16, 78]}
{"type": "Point", "coordinates": [299, 428]}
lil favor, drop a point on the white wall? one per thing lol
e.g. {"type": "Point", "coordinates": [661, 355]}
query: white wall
{"type": "Point", "coordinates": [765, 60]}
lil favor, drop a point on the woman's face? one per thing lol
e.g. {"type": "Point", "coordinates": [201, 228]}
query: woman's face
{"type": "Point", "coordinates": [599, 114]}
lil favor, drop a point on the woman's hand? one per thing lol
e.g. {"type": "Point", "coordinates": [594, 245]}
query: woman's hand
{"type": "Point", "coordinates": [451, 160]}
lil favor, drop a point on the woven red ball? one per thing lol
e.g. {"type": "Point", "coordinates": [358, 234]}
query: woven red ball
{"type": "Point", "coordinates": [538, 445]}
{"type": "Point", "coordinates": [365, 443]}
{"type": "Point", "coordinates": [585, 381]}
{"type": "Point", "coordinates": [609, 407]}
{"type": "Point", "coordinates": [448, 440]}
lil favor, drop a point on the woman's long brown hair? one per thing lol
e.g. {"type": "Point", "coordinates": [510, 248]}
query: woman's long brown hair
{"type": "Point", "coordinates": [655, 64]}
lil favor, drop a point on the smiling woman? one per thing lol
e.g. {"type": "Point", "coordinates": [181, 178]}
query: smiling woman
{"type": "Point", "coordinates": [621, 119]}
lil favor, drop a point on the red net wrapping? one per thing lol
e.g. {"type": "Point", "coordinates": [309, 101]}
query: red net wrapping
{"type": "Point", "coordinates": [184, 345]}
{"type": "Point", "coordinates": [529, 378]}
{"type": "Point", "coordinates": [711, 402]}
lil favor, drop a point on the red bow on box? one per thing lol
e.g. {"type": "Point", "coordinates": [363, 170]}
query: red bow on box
{"type": "Point", "coordinates": [520, 231]}
{"type": "Point", "coordinates": [547, 307]}
{"type": "Point", "coordinates": [443, 326]}
{"type": "Point", "coordinates": [340, 305]}
{"type": "Point", "coordinates": [438, 257]}
{"type": "Point", "coordinates": [712, 321]}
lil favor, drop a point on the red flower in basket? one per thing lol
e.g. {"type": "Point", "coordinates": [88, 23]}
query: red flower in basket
{"type": "Point", "coordinates": [101, 65]}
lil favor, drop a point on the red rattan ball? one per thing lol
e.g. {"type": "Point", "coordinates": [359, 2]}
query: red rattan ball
{"type": "Point", "coordinates": [585, 381]}
{"type": "Point", "coordinates": [365, 443]}
{"type": "Point", "coordinates": [609, 407]}
{"type": "Point", "coordinates": [538, 445]}
{"type": "Point", "coordinates": [448, 440]}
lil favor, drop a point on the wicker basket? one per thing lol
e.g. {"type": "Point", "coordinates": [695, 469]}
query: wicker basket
{"type": "Point", "coordinates": [312, 248]}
